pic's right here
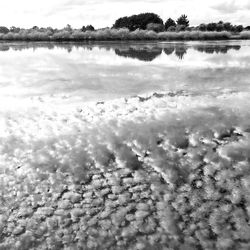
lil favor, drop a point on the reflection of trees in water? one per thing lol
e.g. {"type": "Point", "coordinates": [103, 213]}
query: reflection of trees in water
{"type": "Point", "coordinates": [142, 54]}
{"type": "Point", "coordinates": [169, 50]}
{"type": "Point", "coordinates": [211, 49]}
{"type": "Point", "coordinates": [19, 46]}
{"type": "Point", "coordinates": [4, 47]}
{"type": "Point", "coordinates": [180, 51]}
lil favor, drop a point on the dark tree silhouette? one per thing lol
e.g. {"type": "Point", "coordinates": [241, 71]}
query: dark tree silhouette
{"type": "Point", "coordinates": [137, 21]}
{"type": "Point", "coordinates": [90, 27]}
{"type": "Point", "coordinates": [169, 23]}
{"type": "Point", "coordinates": [239, 28]}
{"type": "Point", "coordinates": [228, 26]}
{"type": "Point", "coordinates": [83, 29]}
{"type": "Point", "coordinates": [183, 20]}
{"type": "Point", "coordinates": [211, 27]}
{"type": "Point", "coordinates": [202, 27]}
{"type": "Point", "coordinates": [219, 27]}
{"type": "Point", "coordinates": [4, 29]}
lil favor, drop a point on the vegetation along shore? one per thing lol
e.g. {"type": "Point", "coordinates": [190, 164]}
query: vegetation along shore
{"type": "Point", "coordinates": [145, 26]}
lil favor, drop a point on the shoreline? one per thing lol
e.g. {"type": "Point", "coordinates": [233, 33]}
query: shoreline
{"type": "Point", "coordinates": [122, 35]}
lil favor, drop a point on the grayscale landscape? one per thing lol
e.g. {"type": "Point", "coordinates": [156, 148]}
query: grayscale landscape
{"type": "Point", "coordinates": [125, 143]}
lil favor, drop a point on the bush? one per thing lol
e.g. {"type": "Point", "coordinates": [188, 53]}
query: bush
{"type": "Point", "coordinates": [180, 28]}
{"type": "Point", "coordinates": [62, 35]}
{"type": "Point", "coordinates": [245, 35]}
{"type": "Point", "coordinates": [137, 35]}
{"type": "Point", "coordinates": [155, 27]}
{"type": "Point", "coordinates": [38, 36]}
{"type": "Point", "coordinates": [116, 34]}
{"type": "Point", "coordinates": [123, 34]}
{"type": "Point", "coordinates": [78, 35]}
{"type": "Point", "coordinates": [172, 28]}
{"type": "Point", "coordinates": [11, 36]}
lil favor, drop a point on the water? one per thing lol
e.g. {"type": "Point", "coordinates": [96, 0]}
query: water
{"type": "Point", "coordinates": [125, 145]}
{"type": "Point", "coordinates": [102, 71]}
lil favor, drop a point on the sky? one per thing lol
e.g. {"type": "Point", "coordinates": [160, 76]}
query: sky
{"type": "Point", "coordinates": [103, 13]}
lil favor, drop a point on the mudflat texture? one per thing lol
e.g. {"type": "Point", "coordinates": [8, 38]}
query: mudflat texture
{"type": "Point", "coordinates": [164, 171]}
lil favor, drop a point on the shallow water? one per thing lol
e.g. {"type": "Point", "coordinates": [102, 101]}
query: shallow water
{"type": "Point", "coordinates": [102, 71]}
{"type": "Point", "coordinates": [125, 146]}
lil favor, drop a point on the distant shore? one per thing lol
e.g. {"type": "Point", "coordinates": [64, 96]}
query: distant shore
{"type": "Point", "coordinates": [120, 35]}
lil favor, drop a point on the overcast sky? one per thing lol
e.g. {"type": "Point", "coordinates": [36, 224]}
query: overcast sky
{"type": "Point", "coordinates": [103, 13]}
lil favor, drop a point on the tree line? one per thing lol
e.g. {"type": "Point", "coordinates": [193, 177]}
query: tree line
{"type": "Point", "coordinates": [49, 30]}
{"type": "Point", "coordinates": [143, 21]}
{"type": "Point", "coordinates": [151, 21]}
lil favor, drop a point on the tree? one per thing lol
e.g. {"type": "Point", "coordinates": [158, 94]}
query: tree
{"type": "Point", "coordinates": [170, 22]}
{"type": "Point", "coordinates": [211, 26]}
{"type": "Point", "coordinates": [90, 28]}
{"type": "Point", "coordinates": [182, 20]}
{"type": "Point", "coordinates": [228, 26]}
{"type": "Point", "coordinates": [4, 29]}
{"type": "Point", "coordinates": [50, 30]}
{"type": "Point", "coordinates": [83, 29]}
{"type": "Point", "coordinates": [68, 28]}
{"type": "Point", "coordinates": [14, 29]}
{"type": "Point", "coordinates": [137, 21]}
{"type": "Point", "coordinates": [202, 27]}
{"type": "Point", "coordinates": [239, 28]}
{"type": "Point", "coordinates": [219, 27]}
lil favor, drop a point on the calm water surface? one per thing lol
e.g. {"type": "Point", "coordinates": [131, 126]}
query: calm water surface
{"type": "Point", "coordinates": [101, 71]}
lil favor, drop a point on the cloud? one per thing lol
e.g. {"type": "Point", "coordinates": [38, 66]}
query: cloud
{"type": "Point", "coordinates": [233, 6]}
{"type": "Point", "coordinates": [100, 13]}
{"type": "Point", "coordinates": [227, 7]}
